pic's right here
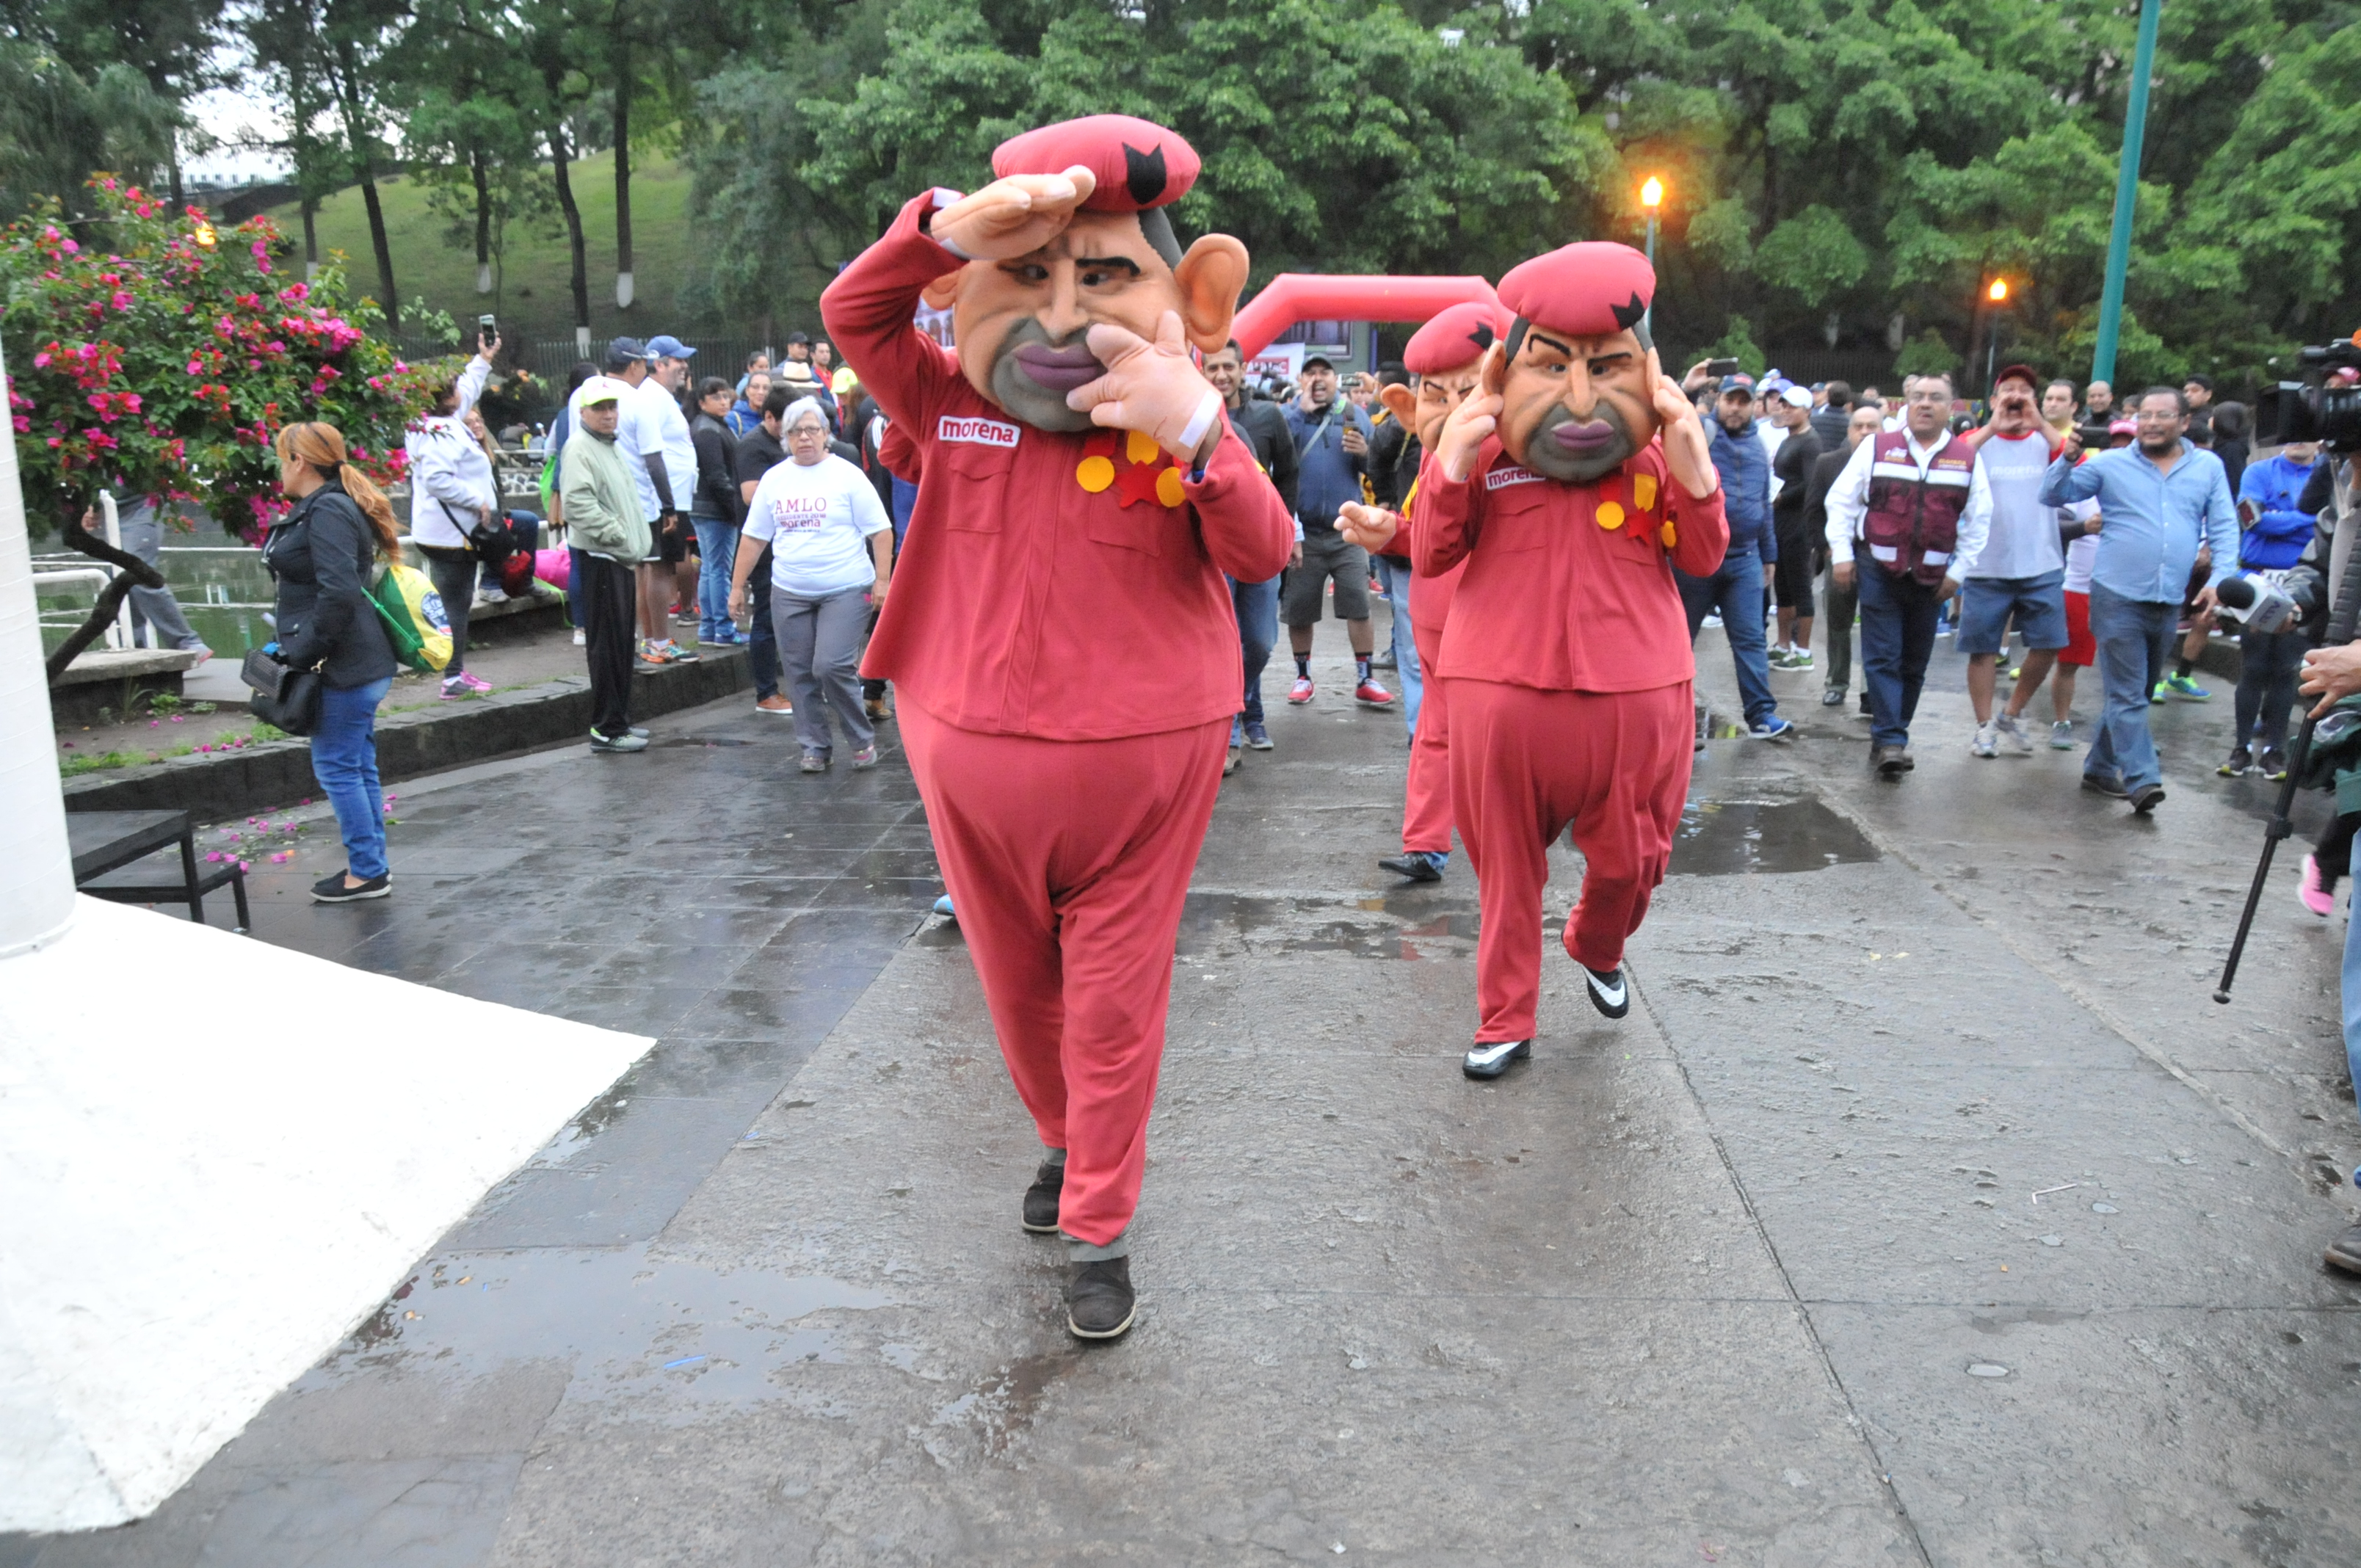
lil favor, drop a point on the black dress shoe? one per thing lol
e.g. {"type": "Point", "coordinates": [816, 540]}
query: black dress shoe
{"type": "Point", "coordinates": [1490, 1058]}
{"type": "Point", "coordinates": [1041, 1199]}
{"type": "Point", "coordinates": [2147, 797]}
{"type": "Point", "coordinates": [2345, 1252]}
{"type": "Point", "coordinates": [1609, 993]}
{"type": "Point", "coordinates": [1416, 868]}
{"type": "Point", "coordinates": [1099, 1299]}
{"type": "Point", "coordinates": [2100, 783]}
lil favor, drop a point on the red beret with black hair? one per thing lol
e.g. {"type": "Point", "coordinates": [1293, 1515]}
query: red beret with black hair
{"type": "Point", "coordinates": [1594, 288]}
{"type": "Point", "coordinates": [1138, 164]}
{"type": "Point", "coordinates": [1458, 336]}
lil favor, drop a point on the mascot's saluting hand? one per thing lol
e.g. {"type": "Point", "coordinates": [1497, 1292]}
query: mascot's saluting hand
{"type": "Point", "coordinates": [1570, 484]}
{"type": "Point", "coordinates": [1060, 634]}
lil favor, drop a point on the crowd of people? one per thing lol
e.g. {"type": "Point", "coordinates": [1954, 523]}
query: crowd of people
{"type": "Point", "coordinates": [2088, 533]}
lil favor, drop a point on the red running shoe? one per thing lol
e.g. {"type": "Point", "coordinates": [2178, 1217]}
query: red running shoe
{"type": "Point", "coordinates": [1301, 691]}
{"type": "Point", "coordinates": [1373, 693]}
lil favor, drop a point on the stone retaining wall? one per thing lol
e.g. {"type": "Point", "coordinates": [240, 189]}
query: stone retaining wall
{"type": "Point", "coordinates": [216, 786]}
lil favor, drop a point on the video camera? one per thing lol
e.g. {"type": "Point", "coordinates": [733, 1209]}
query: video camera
{"type": "Point", "coordinates": [2311, 409]}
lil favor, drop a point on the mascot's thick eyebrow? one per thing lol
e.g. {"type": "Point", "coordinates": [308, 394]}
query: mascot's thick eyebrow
{"type": "Point", "coordinates": [1108, 261]}
{"type": "Point", "coordinates": [1565, 349]}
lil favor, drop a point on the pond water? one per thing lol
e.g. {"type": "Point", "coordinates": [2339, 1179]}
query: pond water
{"type": "Point", "coordinates": [219, 580]}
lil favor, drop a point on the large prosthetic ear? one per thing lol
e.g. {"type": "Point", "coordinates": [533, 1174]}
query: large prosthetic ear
{"type": "Point", "coordinates": [939, 294]}
{"type": "Point", "coordinates": [1401, 402]}
{"type": "Point", "coordinates": [1495, 372]}
{"type": "Point", "coordinates": [1210, 279]}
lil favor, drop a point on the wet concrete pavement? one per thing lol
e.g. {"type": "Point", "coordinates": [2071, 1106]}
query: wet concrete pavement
{"type": "Point", "coordinates": [1759, 1275]}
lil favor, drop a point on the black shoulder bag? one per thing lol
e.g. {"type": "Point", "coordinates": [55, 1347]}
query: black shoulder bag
{"type": "Point", "coordinates": [284, 696]}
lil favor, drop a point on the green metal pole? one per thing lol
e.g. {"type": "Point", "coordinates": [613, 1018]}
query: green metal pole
{"type": "Point", "coordinates": [1647, 322]}
{"type": "Point", "coordinates": [2119, 242]}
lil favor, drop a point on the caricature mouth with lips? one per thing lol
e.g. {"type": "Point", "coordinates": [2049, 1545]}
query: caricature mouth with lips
{"type": "Point", "coordinates": [1057, 370]}
{"type": "Point", "coordinates": [1031, 374]}
{"type": "Point", "coordinates": [1579, 450]}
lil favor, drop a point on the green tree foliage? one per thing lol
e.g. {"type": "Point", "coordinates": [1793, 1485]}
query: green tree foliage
{"type": "Point", "coordinates": [1832, 165]}
{"type": "Point", "coordinates": [1359, 146]}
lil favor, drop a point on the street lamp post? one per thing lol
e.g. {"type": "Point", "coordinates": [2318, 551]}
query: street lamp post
{"type": "Point", "coordinates": [2119, 238]}
{"type": "Point", "coordinates": [1652, 196]}
{"type": "Point", "coordinates": [1998, 295]}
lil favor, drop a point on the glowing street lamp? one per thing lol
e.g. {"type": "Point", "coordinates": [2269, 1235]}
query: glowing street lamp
{"type": "Point", "coordinates": [1997, 295]}
{"type": "Point", "coordinates": [1652, 196]}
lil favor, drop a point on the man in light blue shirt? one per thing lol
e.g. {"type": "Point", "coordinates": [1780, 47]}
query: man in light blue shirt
{"type": "Point", "coordinates": [2159, 498]}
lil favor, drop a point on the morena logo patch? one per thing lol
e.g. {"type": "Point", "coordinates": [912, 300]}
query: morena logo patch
{"type": "Point", "coordinates": [976, 432]}
{"type": "Point", "coordinates": [1500, 478]}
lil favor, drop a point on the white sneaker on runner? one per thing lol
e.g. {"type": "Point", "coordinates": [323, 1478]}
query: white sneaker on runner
{"type": "Point", "coordinates": [2013, 733]}
{"type": "Point", "coordinates": [1987, 740]}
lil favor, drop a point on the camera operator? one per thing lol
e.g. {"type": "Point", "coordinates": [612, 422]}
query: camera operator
{"type": "Point", "coordinates": [2329, 674]}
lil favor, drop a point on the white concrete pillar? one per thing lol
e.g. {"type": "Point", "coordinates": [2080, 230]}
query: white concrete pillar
{"type": "Point", "coordinates": [36, 895]}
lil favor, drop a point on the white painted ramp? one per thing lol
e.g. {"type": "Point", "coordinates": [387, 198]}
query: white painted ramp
{"type": "Point", "coordinates": [198, 1198]}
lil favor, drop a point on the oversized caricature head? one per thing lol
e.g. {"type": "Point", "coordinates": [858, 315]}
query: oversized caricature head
{"type": "Point", "coordinates": [1021, 321]}
{"type": "Point", "coordinates": [1447, 355]}
{"type": "Point", "coordinates": [1574, 372]}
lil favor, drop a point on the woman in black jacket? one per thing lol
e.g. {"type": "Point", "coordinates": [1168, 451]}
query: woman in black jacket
{"type": "Point", "coordinates": [714, 511]}
{"type": "Point", "coordinates": [323, 554]}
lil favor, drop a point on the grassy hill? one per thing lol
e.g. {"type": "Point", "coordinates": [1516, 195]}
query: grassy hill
{"type": "Point", "coordinates": [531, 295]}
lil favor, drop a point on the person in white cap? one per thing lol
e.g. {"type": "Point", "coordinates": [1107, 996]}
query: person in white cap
{"type": "Point", "coordinates": [1799, 554]}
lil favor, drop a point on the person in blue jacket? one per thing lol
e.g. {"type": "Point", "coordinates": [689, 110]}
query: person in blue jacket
{"type": "Point", "coordinates": [2273, 530]}
{"type": "Point", "coordinates": [1735, 592]}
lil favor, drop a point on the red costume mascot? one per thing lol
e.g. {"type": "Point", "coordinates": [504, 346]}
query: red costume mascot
{"type": "Point", "coordinates": [1060, 634]}
{"type": "Point", "coordinates": [1447, 355]}
{"type": "Point", "coordinates": [1566, 653]}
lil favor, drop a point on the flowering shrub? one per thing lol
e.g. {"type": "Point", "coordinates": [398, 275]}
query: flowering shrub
{"type": "Point", "coordinates": [157, 354]}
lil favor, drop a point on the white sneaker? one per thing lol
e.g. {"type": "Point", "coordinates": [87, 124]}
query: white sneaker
{"type": "Point", "coordinates": [488, 594]}
{"type": "Point", "coordinates": [1712, 621]}
{"type": "Point", "coordinates": [1987, 740]}
{"type": "Point", "coordinates": [2061, 735]}
{"type": "Point", "coordinates": [579, 639]}
{"type": "Point", "coordinates": [2013, 733]}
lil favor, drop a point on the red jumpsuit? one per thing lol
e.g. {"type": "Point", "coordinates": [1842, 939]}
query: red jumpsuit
{"type": "Point", "coordinates": [1426, 802]}
{"type": "Point", "coordinates": [1065, 658]}
{"type": "Point", "coordinates": [1569, 671]}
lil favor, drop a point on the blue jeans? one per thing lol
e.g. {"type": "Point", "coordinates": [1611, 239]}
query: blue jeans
{"type": "Point", "coordinates": [1897, 638]}
{"type": "Point", "coordinates": [1256, 605]}
{"type": "Point", "coordinates": [2352, 987]}
{"type": "Point", "coordinates": [1407, 675]}
{"type": "Point", "coordinates": [1736, 592]}
{"type": "Point", "coordinates": [2135, 639]}
{"type": "Point", "coordinates": [344, 758]}
{"type": "Point", "coordinates": [717, 554]}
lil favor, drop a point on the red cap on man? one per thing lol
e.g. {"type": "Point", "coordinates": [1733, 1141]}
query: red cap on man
{"type": "Point", "coordinates": [2024, 373]}
{"type": "Point", "coordinates": [1593, 288]}
{"type": "Point", "coordinates": [1454, 337]}
{"type": "Point", "coordinates": [1140, 164]}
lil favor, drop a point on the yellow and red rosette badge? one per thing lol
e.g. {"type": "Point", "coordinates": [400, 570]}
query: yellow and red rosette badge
{"type": "Point", "coordinates": [1131, 465]}
{"type": "Point", "coordinates": [1613, 513]}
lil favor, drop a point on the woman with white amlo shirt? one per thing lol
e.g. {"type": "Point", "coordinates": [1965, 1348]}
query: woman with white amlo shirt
{"type": "Point", "coordinates": [832, 554]}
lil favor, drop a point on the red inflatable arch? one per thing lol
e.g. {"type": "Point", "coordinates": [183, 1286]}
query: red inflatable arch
{"type": "Point", "coordinates": [1294, 297]}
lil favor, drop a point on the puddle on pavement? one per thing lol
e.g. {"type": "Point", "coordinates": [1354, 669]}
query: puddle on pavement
{"type": "Point", "coordinates": [1738, 838]}
{"type": "Point", "coordinates": [1403, 925]}
{"type": "Point", "coordinates": [633, 1327]}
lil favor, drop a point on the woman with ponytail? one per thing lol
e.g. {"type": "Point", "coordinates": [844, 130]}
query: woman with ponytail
{"type": "Point", "coordinates": [323, 554]}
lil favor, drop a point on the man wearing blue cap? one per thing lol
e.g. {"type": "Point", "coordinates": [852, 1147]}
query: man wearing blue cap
{"type": "Point", "coordinates": [658, 435]}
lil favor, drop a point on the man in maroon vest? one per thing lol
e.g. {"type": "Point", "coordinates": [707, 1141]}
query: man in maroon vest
{"type": "Point", "coordinates": [1907, 519]}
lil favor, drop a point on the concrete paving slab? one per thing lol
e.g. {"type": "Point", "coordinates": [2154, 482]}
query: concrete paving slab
{"type": "Point", "coordinates": [1691, 1288]}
